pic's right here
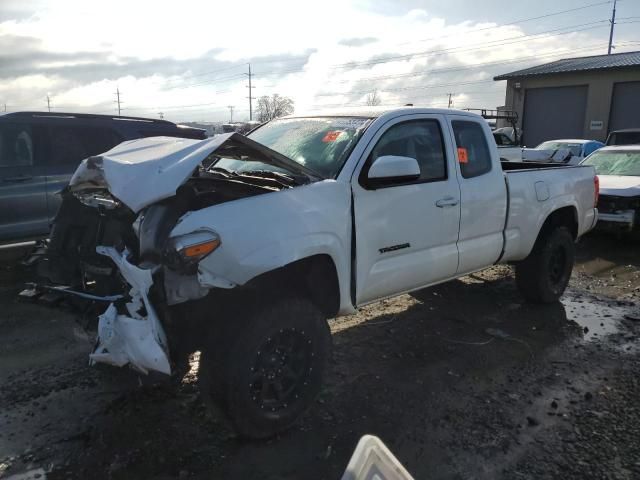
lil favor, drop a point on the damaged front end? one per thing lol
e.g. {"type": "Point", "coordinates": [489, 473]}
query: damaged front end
{"type": "Point", "coordinates": [618, 214]}
{"type": "Point", "coordinates": [112, 233]}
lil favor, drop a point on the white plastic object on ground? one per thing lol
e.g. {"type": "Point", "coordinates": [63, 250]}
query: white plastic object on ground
{"type": "Point", "coordinates": [132, 339]}
{"type": "Point", "coordinates": [372, 460]}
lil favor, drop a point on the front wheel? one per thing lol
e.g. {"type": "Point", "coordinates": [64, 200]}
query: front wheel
{"type": "Point", "coordinates": [272, 369]}
{"type": "Point", "coordinates": [544, 275]}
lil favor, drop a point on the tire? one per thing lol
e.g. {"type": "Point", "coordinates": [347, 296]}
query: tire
{"type": "Point", "coordinates": [270, 368]}
{"type": "Point", "coordinates": [544, 275]}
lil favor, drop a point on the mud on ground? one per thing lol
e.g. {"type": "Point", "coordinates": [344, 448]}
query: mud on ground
{"type": "Point", "coordinates": [461, 381]}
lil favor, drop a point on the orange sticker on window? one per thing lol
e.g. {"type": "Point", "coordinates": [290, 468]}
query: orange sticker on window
{"type": "Point", "coordinates": [332, 136]}
{"type": "Point", "coordinates": [462, 155]}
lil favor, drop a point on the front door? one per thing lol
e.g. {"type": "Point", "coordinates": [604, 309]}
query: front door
{"type": "Point", "coordinates": [23, 204]}
{"type": "Point", "coordinates": [406, 233]}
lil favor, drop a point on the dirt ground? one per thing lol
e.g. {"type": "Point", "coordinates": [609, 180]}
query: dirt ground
{"type": "Point", "coordinates": [461, 381]}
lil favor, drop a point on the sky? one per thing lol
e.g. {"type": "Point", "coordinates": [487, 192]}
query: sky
{"type": "Point", "coordinates": [189, 60]}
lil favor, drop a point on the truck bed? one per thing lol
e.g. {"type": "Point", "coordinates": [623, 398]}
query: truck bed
{"type": "Point", "coordinates": [537, 189]}
{"type": "Point", "coordinates": [510, 166]}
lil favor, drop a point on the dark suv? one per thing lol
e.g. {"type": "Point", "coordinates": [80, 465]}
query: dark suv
{"type": "Point", "coordinates": [39, 151]}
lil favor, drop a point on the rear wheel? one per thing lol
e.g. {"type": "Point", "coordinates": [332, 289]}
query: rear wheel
{"type": "Point", "coordinates": [271, 367]}
{"type": "Point", "coordinates": [544, 275]}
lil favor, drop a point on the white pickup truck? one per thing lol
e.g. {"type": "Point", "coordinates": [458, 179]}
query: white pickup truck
{"type": "Point", "coordinates": [251, 243]}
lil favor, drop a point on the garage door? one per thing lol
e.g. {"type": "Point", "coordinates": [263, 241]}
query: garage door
{"type": "Point", "coordinates": [553, 113]}
{"type": "Point", "coordinates": [625, 106]}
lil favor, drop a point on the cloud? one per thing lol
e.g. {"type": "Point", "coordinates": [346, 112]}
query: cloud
{"type": "Point", "coordinates": [192, 66]}
{"type": "Point", "coordinates": [357, 42]}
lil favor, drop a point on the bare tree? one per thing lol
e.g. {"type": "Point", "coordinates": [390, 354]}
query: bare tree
{"type": "Point", "coordinates": [373, 99]}
{"type": "Point", "coordinates": [274, 107]}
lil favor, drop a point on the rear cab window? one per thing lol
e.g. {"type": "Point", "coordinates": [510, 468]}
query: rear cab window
{"type": "Point", "coordinates": [473, 152]}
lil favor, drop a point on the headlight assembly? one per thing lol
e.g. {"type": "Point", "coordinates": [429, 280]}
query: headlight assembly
{"type": "Point", "coordinates": [97, 199]}
{"type": "Point", "coordinates": [193, 247]}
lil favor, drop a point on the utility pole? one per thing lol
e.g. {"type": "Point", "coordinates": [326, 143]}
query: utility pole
{"type": "Point", "coordinates": [450, 100]}
{"type": "Point", "coordinates": [118, 99]}
{"type": "Point", "coordinates": [250, 94]}
{"type": "Point", "coordinates": [613, 23]}
{"type": "Point", "coordinates": [48, 102]}
{"type": "Point", "coordinates": [230, 107]}
{"type": "Point", "coordinates": [5, 107]}
{"type": "Point", "coordinates": [161, 115]}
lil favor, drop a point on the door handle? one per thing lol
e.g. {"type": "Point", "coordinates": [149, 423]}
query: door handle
{"type": "Point", "coordinates": [447, 202]}
{"type": "Point", "coordinates": [20, 178]}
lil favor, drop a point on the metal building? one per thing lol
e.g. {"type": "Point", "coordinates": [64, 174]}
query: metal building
{"type": "Point", "coordinates": [583, 97]}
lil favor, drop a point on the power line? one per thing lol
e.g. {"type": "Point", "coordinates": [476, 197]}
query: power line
{"type": "Point", "coordinates": [490, 44]}
{"type": "Point", "coordinates": [514, 22]}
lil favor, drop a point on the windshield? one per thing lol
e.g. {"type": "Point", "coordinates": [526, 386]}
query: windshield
{"type": "Point", "coordinates": [321, 144]}
{"type": "Point", "coordinates": [575, 148]}
{"type": "Point", "coordinates": [615, 163]}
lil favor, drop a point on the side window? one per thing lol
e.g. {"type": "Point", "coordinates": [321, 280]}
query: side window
{"type": "Point", "coordinates": [473, 152]}
{"type": "Point", "coordinates": [498, 138]}
{"type": "Point", "coordinates": [99, 140]}
{"type": "Point", "coordinates": [419, 139]}
{"type": "Point", "coordinates": [16, 145]}
{"type": "Point", "coordinates": [66, 145]}
{"type": "Point", "coordinates": [74, 144]}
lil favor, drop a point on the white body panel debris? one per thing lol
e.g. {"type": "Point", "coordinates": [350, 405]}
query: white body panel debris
{"type": "Point", "coordinates": [132, 339]}
{"type": "Point", "coordinates": [372, 460]}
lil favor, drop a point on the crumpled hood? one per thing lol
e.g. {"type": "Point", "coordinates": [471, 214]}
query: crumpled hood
{"type": "Point", "coordinates": [142, 172]}
{"type": "Point", "coordinates": [619, 185]}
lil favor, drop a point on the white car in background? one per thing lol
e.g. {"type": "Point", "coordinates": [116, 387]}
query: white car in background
{"type": "Point", "coordinates": [569, 151]}
{"type": "Point", "coordinates": [618, 169]}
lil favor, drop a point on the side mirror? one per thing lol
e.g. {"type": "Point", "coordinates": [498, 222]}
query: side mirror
{"type": "Point", "coordinates": [392, 169]}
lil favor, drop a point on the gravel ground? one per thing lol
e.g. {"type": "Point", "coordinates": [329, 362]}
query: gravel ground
{"type": "Point", "coordinates": [461, 381]}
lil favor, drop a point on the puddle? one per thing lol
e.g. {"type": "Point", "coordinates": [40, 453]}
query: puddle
{"type": "Point", "coordinates": [596, 318]}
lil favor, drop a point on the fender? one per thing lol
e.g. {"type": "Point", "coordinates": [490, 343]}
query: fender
{"type": "Point", "coordinates": [285, 226]}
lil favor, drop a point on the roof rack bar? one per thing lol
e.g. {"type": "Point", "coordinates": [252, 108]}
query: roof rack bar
{"type": "Point", "coordinates": [85, 115]}
{"type": "Point", "coordinates": [510, 115]}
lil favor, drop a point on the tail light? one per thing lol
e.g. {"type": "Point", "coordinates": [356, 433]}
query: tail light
{"type": "Point", "coordinates": [596, 184]}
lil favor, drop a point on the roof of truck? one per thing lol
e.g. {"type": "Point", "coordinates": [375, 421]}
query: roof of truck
{"type": "Point", "coordinates": [375, 112]}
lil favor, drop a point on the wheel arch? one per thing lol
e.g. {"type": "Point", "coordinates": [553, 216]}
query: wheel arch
{"type": "Point", "coordinates": [561, 217]}
{"type": "Point", "coordinates": [315, 277]}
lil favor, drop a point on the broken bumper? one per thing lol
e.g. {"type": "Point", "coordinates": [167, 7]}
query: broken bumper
{"type": "Point", "coordinates": [623, 220]}
{"type": "Point", "coordinates": [136, 338]}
